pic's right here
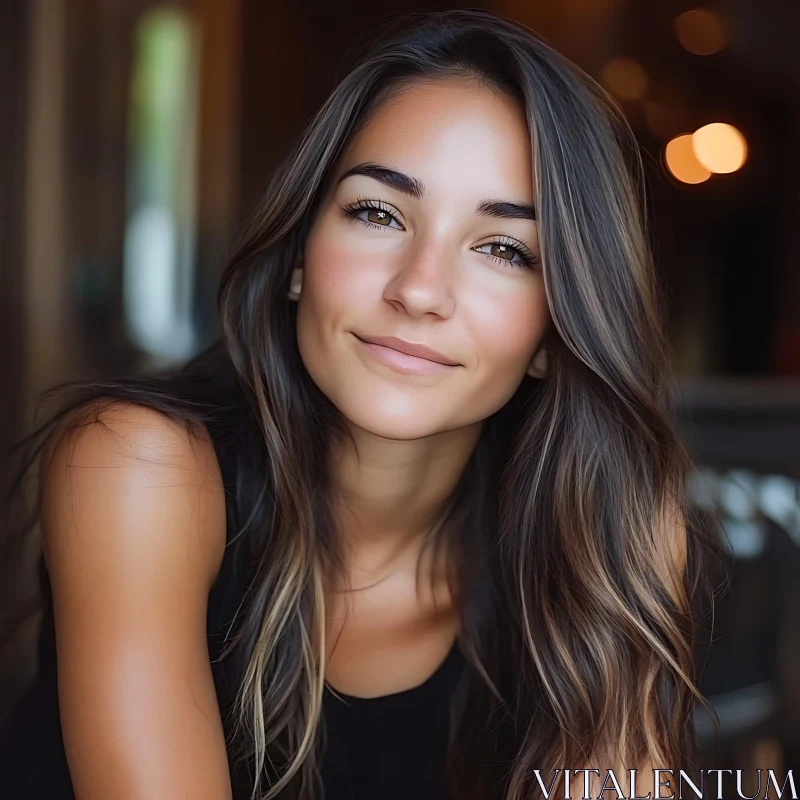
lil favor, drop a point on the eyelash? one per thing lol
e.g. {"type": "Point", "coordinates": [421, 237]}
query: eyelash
{"type": "Point", "coordinates": [527, 259]}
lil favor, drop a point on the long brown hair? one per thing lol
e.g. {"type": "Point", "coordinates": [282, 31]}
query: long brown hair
{"type": "Point", "coordinates": [577, 554]}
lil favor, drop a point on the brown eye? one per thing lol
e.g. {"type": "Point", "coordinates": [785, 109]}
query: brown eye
{"type": "Point", "coordinates": [515, 254]}
{"type": "Point", "coordinates": [503, 251]}
{"type": "Point", "coordinates": [372, 212]}
{"type": "Point", "coordinates": [378, 216]}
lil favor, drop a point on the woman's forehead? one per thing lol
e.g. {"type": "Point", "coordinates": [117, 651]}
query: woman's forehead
{"type": "Point", "coordinates": [451, 133]}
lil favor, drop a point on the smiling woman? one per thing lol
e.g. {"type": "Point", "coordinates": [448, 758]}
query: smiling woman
{"type": "Point", "coordinates": [409, 243]}
{"type": "Point", "coordinates": [416, 526]}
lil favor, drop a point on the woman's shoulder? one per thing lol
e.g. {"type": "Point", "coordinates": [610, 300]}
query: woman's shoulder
{"type": "Point", "coordinates": [133, 522]}
{"type": "Point", "coordinates": [123, 479]}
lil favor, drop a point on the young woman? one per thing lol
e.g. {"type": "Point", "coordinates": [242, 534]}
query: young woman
{"type": "Point", "coordinates": [416, 527]}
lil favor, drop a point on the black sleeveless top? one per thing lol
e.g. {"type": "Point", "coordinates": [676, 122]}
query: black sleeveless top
{"type": "Point", "coordinates": [386, 747]}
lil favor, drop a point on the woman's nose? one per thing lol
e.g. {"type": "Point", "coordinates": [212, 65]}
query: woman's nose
{"type": "Point", "coordinates": [423, 281]}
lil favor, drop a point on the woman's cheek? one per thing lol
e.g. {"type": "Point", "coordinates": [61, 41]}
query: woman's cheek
{"type": "Point", "coordinates": [340, 271]}
{"type": "Point", "coordinates": [507, 325]}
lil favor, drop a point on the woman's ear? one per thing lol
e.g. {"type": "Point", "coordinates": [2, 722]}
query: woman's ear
{"type": "Point", "coordinates": [538, 366]}
{"type": "Point", "coordinates": [295, 284]}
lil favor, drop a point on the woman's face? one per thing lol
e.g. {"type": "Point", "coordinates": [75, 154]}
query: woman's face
{"type": "Point", "coordinates": [426, 235]}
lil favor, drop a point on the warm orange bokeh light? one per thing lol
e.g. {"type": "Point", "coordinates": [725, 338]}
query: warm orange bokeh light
{"type": "Point", "coordinates": [701, 31]}
{"type": "Point", "coordinates": [719, 147]}
{"type": "Point", "coordinates": [682, 162]}
{"type": "Point", "coordinates": [625, 78]}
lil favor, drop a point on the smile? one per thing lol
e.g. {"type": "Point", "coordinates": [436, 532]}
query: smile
{"type": "Point", "coordinates": [402, 362]}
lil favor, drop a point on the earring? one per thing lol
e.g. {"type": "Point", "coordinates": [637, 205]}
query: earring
{"type": "Point", "coordinates": [538, 367]}
{"type": "Point", "coordinates": [296, 284]}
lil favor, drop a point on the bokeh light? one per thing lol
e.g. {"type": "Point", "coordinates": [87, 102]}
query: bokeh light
{"type": "Point", "coordinates": [701, 31]}
{"type": "Point", "coordinates": [719, 147]}
{"type": "Point", "coordinates": [625, 78]}
{"type": "Point", "coordinates": [682, 162]}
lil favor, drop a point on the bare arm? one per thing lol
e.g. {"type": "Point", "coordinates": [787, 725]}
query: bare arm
{"type": "Point", "coordinates": [133, 516]}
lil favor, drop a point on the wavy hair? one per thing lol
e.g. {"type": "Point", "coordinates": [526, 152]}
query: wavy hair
{"type": "Point", "coordinates": [577, 554]}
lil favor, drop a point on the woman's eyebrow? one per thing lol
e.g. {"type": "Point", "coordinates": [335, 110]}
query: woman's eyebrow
{"type": "Point", "coordinates": [505, 209]}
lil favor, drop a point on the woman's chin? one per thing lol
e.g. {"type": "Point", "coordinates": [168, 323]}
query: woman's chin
{"type": "Point", "coordinates": [395, 421]}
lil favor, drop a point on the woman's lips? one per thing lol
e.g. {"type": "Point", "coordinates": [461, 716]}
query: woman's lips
{"type": "Point", "coordinates": [402, 362]}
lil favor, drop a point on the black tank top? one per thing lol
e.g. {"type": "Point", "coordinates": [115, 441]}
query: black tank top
{"type": "Point", "coordinates": [386, 747]}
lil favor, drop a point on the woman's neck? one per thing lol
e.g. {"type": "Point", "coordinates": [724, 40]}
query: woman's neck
{"type": "Point", "coordinates": [387, 494]}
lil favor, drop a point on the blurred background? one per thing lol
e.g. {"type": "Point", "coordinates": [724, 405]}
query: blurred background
{"type": "Point", "coordinates": [138, 134]}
